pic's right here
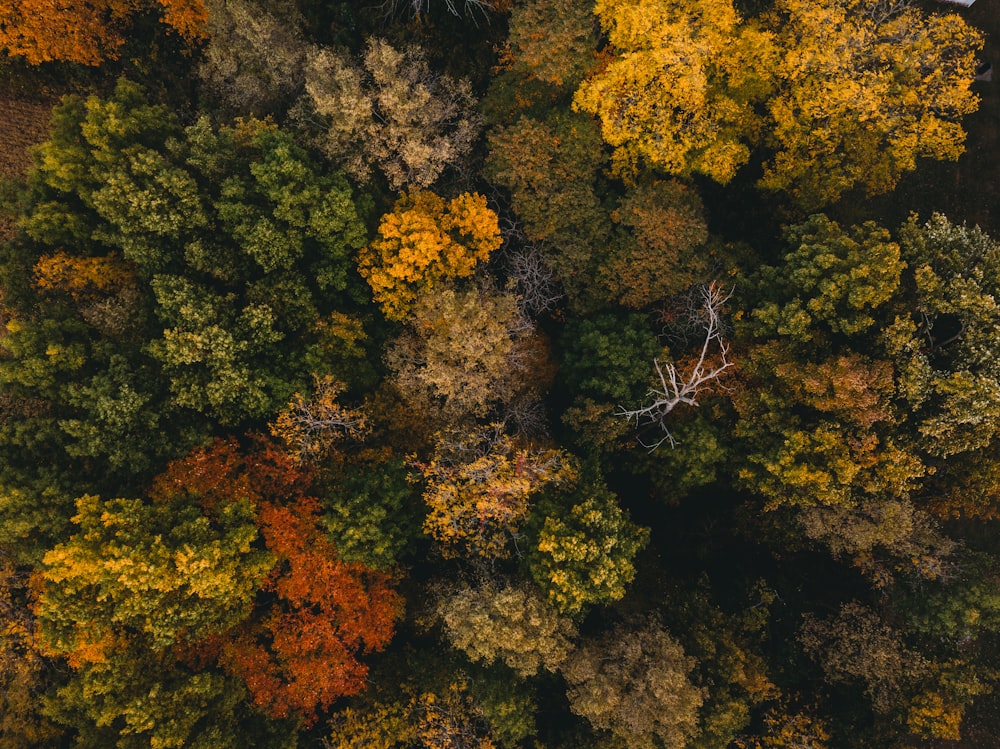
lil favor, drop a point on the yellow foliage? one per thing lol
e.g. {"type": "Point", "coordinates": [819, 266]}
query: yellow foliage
{"type": "Point", "coordinates": [450, 720]}
{"type": "Point", "coordinates": [423, 241]}
{"type": "Point", "coordinates": [478, 495]}
{"type": "Point", "coordinates": [680, 92]}
{"type": "Point", "coordinates": [79, 275]}
{"type": "Point", "coordinates": [930, 715]}
{"type": "Point", "coordinates": [865, 90]}
{"type": "Point", "coordinates": [379, 727]}
{"type": "Point", "coordinates": [311, 426]}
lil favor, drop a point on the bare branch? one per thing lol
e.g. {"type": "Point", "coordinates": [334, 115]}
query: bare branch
{"type": "Point", "coordinates": [683, 387]}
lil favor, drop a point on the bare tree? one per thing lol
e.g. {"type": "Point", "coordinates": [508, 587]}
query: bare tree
{"type": "Point", "coordinates": [677, 387]}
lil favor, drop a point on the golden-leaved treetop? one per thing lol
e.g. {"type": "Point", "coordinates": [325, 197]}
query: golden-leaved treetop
{"type": "Point", "coordinates": [679, 93]}
{"type": "Point", "coordinates": [86, 31]}
{"type": "Point", "coordinates": [423, 241]}
{"type": "Point", "coordinates": [866, 87]}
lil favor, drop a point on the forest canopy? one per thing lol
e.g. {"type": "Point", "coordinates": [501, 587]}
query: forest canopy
{"type": "Point", "coordinates": [498, 374]}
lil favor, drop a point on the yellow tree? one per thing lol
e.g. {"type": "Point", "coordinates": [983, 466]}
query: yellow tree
{"type": "Point", "coordinates": [423, 241]}
{"type": "Point", "coordinates": [478, 490]}
{"type": "Point", "coordinates": [865, 88]}
{"type": "Point", "coordinates": [680, 91]}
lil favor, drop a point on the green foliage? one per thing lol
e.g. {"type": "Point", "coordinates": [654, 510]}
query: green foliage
{"type": "Point", "coordinates": [551, 167]}
{"type": "Point", "coordinates": [945, 337]}
{"type": "Point", "coordinates": [242, 241]}
{"type": "Point", "coordinates": [553, 40]}
{"type": "Point", "coordinates": [583, 547]}
{"type": "Point", "coordinates": [140, 698]}
{"type": "Point", "coordinates": [702, 456]}
{"type": "Point", "coordinates": [370, 512]}
{"type": "Point", "coordinates": [832, 281]}
{"type": "Point", "coordinates": [607, 357]}
{"type": "Point", "coordinates": [509, 705]}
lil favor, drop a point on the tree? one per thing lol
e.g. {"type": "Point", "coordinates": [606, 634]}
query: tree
{"type": "Point", "coordinates": [856, 644]}
{"type": "Point", "coordinates": [478, 487]}
{"type": "Point", "coordinates": [833, 279]}
{"type": "Point", "coordinates": [392, 112]}
{"type": "Point", "coordinates": [371, 510]}
{"type": "Point", "coordinates": [554, 41]}
{"type": "Point", "coordinates": [138, 583]}
{"type": "Point", "coordinates": [22, 667]}
{"type": "Point", "coordinates": [298, 653]}
{"type": "Point", "coordinates": [583, 546]}
{"type": "Point", "coordinates": [135, 696]}
{"type": "Point", "coordinates": [254, 60]}
{"type": "Point", "coordinates": [88, 32]}
{"type": "Point", "coordinates": [233, 238]}
{"type": "Point", "coordinates": [310, 427]}
{"type": "Point", "coordinates": [423, 242]}
{"type": "Point", "coordinates": [864, 88]}
{"type": "Point", "coordinates": [465, 355]}
{"type": "Point", "coordinates": [675, 388]}
{"type": "Point", "coordinates": [552, 168]}
{"type": "Point", "coordinates": [667, 256]}
{"type": "Point", "coordinates": [789, 729]}
{"type": "Point", "coordinates": [168, 571]}
{"type": "Point", "coordinates": [942, 339]}
{"type": "Point", "coordinates": [510, 623]}
{"type": "Point", "coordinates": [635, 683]}
{"type": "Point", "coordinates": [681, 90]}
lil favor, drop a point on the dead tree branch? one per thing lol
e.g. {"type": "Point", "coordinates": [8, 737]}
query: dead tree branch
{"type": "Point", "coordinates": [677, 387]}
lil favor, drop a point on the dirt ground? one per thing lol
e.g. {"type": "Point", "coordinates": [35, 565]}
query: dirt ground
{"type": "Point", "coordinates": [22, 124]}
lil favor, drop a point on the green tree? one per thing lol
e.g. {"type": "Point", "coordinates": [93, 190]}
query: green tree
{"type": "Point", "coordinates": [551, 165]}
{"type": "Point", "coordinates": [553, 40]}
{"type": "Point", "coordinates": [832, 280]}
{"type": "Point", "coordinates": [583, 547]}
{"type": "Point", "coordinates": [237, 242]}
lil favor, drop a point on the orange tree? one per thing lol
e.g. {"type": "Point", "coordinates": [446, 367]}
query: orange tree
{"type": "Point", "coordinates": [87, 31]}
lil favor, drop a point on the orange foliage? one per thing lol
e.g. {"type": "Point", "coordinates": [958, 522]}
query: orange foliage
{"type": "Point", "coordinates": [86, 31]}
{"type": "Point", "coordinates": [423, 241]}
{"type": "Point", "coordinates": [215, 475]}
{"type": "Point", "coordinates": [300, 654]}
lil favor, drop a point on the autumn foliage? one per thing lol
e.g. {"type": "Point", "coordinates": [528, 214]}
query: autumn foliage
{"type": "Point", "coordinates": [422, 242]}
{"type": "Point", "coordinates": [299, 653]}
{"type": "Point", "coordinates": [87, 31]}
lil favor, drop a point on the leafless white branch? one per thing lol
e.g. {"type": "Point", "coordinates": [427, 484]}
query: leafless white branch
{"type": "Point", "coordinates": [676, 387]}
